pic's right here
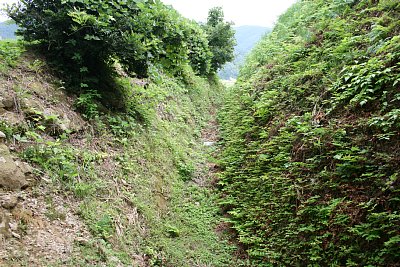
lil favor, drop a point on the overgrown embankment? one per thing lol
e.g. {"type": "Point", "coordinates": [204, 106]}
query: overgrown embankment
{"type": "Point", "coordinates": [118, 189]}
{"type": "Point", "coordinates": [311, 139]}
{"type": "Point", "coordinates": [107, 104]}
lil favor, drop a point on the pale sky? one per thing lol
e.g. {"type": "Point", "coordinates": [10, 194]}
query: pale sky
{"type": "Point", "coordinates": [2, 5]}
{"type": "Point", "coordinates": [248, 12]}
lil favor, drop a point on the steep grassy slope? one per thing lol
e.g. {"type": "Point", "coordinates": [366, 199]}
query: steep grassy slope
{"type": "Point", "coordinates": [106, 100]}
{"type": "Point", "coordinates": [117, 190]}
{"type": "Point", "coordinates": [311, 139]}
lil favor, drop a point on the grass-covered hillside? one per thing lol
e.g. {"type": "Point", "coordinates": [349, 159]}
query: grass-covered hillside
{"type": "Point", "coordinates": [119, 189]}
{"type": "Point", "coordinates": [311, 139]}
{"type": "Point", "coordinates": [103, 110]}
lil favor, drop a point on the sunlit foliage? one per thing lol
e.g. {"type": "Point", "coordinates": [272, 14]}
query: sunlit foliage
{"type": "Point", "coordinates": [84, 38]}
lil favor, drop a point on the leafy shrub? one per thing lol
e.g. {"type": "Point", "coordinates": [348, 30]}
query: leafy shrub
{"type": "Point", "coordinates": [185, 171]}
{"type": "Point", "coordinates": [87, 104]}
{"type": "Point", "coordinates": [84, 38]}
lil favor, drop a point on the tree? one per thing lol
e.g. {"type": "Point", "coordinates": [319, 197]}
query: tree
{"type": "Point", "coordinates": [85, 38]}
{"type": "Point", "coordinates": [221, 38]}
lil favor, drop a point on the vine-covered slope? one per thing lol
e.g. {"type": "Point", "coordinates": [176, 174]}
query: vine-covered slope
{"type": "Point", "coordinates": [311, 138]}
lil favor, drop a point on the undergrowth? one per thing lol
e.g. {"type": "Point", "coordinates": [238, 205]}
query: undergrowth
{"type": "Point", "coordinates": [9, 54]}
{"type": "Point", "coordinates": [311, 139]}
{"type": "Point", "coordinates": [130, 174]}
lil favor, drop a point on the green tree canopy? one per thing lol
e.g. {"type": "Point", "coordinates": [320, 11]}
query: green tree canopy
{"type": "Point", "coordinates": [85, 37]}
{"type": "Point", "coordinates": [221, 38]}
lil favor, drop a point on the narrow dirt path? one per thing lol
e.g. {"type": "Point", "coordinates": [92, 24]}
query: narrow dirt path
{"type": "Point", "coordinates": [210, 138]}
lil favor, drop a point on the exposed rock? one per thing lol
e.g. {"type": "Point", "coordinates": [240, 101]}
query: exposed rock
{"type": "Point", "coordinates": [8, 102]}
{"type": "Point", "coordinates": [29, 105]}
{"type": "Point", "coordinates": [16, 235]}
{"type": "Point", "coordinates": [8, 201]}
{"type": "Point", "coordinates": [24, 167]}
{"type": "Point", "coordinates": [54, 125]}
{"type": "Point", "coordinates": [4, 225]}
{"type": "Point", "coordinates": [11, 175]}
{"type": "Point", "coordinates": [209, 143]}
{"type": "Point", "coordinates": [74, 123]}
{"type": "Point", "coordinates": [39, 89]}
{"type": "Point", "coordinates": [12, 118]}
{"type": "Point", "coordinates": [2, 137]}
{"type": "Point", "coordinates": [2, 110]}
{"type": "Point", "coordinates": [57, 118]}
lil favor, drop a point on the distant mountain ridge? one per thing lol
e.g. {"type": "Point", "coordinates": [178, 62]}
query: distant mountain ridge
{"type": "Point", "coordinates": [246, 37]}
{"type": "Point", "coordinates": [7, 30]}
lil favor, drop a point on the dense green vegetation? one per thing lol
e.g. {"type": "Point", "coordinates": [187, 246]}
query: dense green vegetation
{"type": "Point", "coordinates": [246, 38]}
{"type": "Point", "coordinates": [311, 139]}
{"type": "Point", "coordinates": [310, 134]}
{"type": "Point", "coordinates": [220, 37]}
{"type": "Point", "coordinates": [86, 39]}
{"type": "Point", "coordinates": [132, 182]}
{"type": "Point", "coordinates": [124, 148]}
